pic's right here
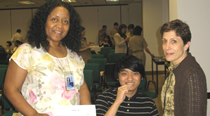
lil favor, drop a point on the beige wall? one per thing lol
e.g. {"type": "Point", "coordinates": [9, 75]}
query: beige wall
{"type": "Point", "coordinates": [195, 13]}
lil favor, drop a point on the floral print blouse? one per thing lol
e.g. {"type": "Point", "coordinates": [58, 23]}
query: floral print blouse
{"type": "Point", "coordinates": [44, 86]}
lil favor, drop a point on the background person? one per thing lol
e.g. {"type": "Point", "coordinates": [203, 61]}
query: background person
{"type": "Point", "coordinates": [112, 32]}
{"type": "Point", "coordinates": [126, 100]}
{"type": "Point", "coordinates": [138, 44]}
{"type": "Point", "coordinates": [101, 34]}
{"type": "Point", "coordinates": [121, 39]}
{"type": "Point", "coordinates": [184, 92]}
{"type": "Point", "coordinates": [17, 36]}
{"type": "Point", "coordinates": [107, 42]}
{"type": "Point", "coordinates": [85, 49]}
{"type": "Point", "coordinates": [35, 79]}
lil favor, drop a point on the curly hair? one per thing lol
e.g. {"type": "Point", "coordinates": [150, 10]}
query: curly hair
{"type": "Point", "coordinates": [181, 29]}
{"type": "Point", "coordinates": [37, 35]}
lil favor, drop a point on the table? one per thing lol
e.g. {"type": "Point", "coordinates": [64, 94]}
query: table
{"type": "Point", "coordinates": [96, 48]}
{"type": "Point", "coordinates": [157, 61]}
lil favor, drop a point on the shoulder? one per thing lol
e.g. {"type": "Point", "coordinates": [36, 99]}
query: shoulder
{"type": "Point", "coordinates": [116, 35]}
{"type": "Point", "coordinates": [76, 56]}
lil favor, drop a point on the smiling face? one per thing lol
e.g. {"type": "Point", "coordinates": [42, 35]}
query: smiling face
{"type": "Point", "coordinates": [128, 77]}
{"type": "Point", "coordinates": [57, 24]}
{"type": "Point", "coordinates": [173, 47]}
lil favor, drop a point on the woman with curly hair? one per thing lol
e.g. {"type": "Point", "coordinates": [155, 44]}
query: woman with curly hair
{"type": "Point", "coordinates": [36, 77]}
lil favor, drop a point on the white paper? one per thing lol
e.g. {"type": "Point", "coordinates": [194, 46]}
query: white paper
{"type": "Point", "coordinates": [75, 110]}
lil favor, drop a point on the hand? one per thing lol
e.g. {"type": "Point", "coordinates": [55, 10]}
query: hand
{"type": "Point", "coordinates": [152, 55]}
{"type": "Point", "coordinates": [127, 38]}
{"type": "Point", "coordinates": [38, 114]}
{"type": "Point", "coordinates": [91, 42]}
{"type": "Point", "coordinates": [121, 93]}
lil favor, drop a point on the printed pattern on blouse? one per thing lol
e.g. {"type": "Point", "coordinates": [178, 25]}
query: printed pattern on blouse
{"type": "Point", "coordinates": [44, 86]}
{"type": "Point", "coordinates": [167, 94]}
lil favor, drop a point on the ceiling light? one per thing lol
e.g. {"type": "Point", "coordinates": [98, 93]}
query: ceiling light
{"type": "Point", "coordinates": [26, 2]}
{"type": "Point", "coordinates": [69, 0]}
{"type": "Point", "coordinates": [112, 0]}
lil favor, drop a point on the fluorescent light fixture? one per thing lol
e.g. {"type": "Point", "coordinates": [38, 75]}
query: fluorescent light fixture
{"type": "Point", "coordinates": [26, 2]}
{"type": "Point", "coordinates": [69, 1]}
{"type": "Point", "coordinates": [112, 0]}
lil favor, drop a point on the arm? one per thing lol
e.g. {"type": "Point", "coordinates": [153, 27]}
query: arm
{"type": "Point", "coordinates": [13, 82]}
{"type": "Point", "coordinates": [118, 41]}
{"type": "Point", "coordinates": [83, 49]}
{"type": "Point", "coordinates": [84, 94]}
{"type": "Point", "coordinates": [121, 94]}
{"type": "Point", "coordinates": [147, 50]}
{"type": "Point", "coordinates": [101, 33]}
{"type": "Point", "coordinates": [194, 96]}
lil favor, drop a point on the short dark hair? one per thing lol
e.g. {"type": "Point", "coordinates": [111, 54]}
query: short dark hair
{"type": "Point", "coordinates": [82, 28]}
{"type": "Point", "coordinates": [120, 30]}
{"type": "Point", "coordinates": [37, 34]}
{"type": "Point", "coordinates": [18, 30]}
{"type": "Point", "coordinates": [137, 30]}
{"type": "Point", "coordinates": [130, 62]}
{"type": "Point", "coordinates": [181, 29]}
{"type": "Point", "coordinates": [115, 24]}
{"type": "Point", "coordinates": [131, 26]}
{"type": "Point", "coordinates": [10, 43]}
{"type": "Point", "coordinates": [104, 26]}
{"type": "Point", "coordinates": [18, 42]}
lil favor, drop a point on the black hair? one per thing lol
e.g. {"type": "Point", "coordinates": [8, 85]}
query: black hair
{"type": "Point", "coordinates": [131, 26]}
{"type": "Point", "coordinates": [18, 42]}
{"type": "Point", "coordinates": [120, 30]}
{"type": "Point", "coordinates": [104, 26]}
{"type": "Point", "coordinates": [37, 34]}
{"type": "Point", "coordinates": [10, 43]}
{"type": "Point", "coordinates": [137, 30]}
{"type": "Point", "coordinates": [181, 29]}
{"type": "Point", "coordinates": [130, 62]}
{"type": "Point", "coordinates": [115, 24]}
{"type": "Point", "coordinates": [82, 28]}
{"type": "Point", "coordinates": [18, 30]}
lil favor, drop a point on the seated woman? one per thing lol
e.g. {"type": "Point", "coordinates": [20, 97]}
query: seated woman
{"type": "Point", "coordinates": [126, 100]}
{"type": "Point", "coordinates": [107, 42]}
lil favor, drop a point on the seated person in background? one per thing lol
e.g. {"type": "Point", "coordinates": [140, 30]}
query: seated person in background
{"type": "Point", "coordinates": [8, 48]}
{"type": "Point", "coordinates": [17, 44]}
{"type": "Point", "coordinates": [107, 42]}
{"type": "Point", "coordinates": [126, 100]}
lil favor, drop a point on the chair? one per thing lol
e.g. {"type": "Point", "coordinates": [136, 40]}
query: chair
{"type": "Point", "coordinates": [100, 61]}
{"type": "Point", "coordinates": [97, 56]}
{"type": "Point", "coordinates": [3, 70]}
{"type": "Point", "coordinates": [114, 57]}
{"type": "Point", "coordinates": [142, 89]}
{"type": "Point", "coordinates": [112, 51]}
{"type": "Point", "coordinates": [105, 50]}
{"type": "Point", "coordinates": [96, 76]}
{"type": "Point", "coordinates": [3, 58]}
{"type": "Point", "coordinates": [88, 76]}
{"type": "Point", "coordinates": [7, 109]}
{"type": "Point", "coordinates": [109, 76]}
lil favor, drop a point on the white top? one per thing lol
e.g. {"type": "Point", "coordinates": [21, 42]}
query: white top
{"type": "Point", "coordinates": [44, 86]}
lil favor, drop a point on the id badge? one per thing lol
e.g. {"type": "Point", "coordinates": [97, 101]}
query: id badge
{"type": "Point", "coordinates": [69, 79]}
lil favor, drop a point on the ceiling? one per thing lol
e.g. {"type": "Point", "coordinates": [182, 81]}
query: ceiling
{"type": "Point", "coordinates": [13, 4]}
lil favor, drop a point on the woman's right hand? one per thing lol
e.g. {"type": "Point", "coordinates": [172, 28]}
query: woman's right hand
{"type": "Point", "coordinates": [121, 93]}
